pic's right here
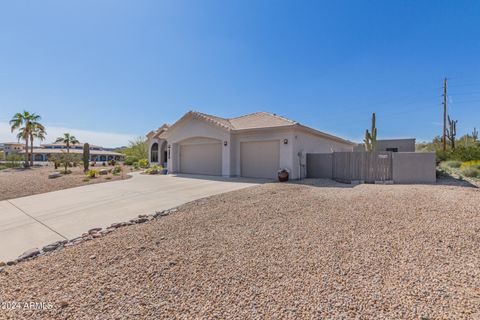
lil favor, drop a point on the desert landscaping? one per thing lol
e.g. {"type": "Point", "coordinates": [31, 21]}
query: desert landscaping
{"type": "Point", "coordinates": [21, 182]}
{"type": "Point", "coordinates": [316, 249]}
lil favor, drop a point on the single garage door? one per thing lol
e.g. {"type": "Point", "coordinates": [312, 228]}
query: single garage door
{"type": "Point", "coordinates": [260, 159]}
{"type": "Point", "coordinates": [205, 158]}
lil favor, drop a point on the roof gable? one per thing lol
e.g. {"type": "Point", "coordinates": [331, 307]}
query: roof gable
{"type": "Point", "coordinates": [257, 120]}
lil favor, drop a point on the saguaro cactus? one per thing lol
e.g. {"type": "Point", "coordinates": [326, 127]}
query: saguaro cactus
{"type": "Point", "coordinates": [452, 131]}
{"type": "Point", "coordinates": [86, 156]}
{"type": "Point", "coordinates": [371, 137]}
{"type": "Point", "coordinates": [475, 135]}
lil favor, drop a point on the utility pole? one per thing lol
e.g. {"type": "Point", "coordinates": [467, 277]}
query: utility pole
{"type": "Point", "coordinates": [444, 114]}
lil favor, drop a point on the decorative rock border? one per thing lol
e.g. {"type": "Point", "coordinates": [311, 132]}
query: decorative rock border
{"type": "Point", "coordinates": [93, 233]}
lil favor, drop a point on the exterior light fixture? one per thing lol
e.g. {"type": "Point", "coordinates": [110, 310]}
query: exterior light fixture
{"type": "Point", "coordinates": [285, 141]}
{"type": "Point", "coordinates": [225, 143]}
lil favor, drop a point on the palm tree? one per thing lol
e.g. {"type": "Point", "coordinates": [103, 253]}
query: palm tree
{"type": "Point", "coordinates": [23, 123]}
{"type": "Point", "coordinates": [68, 140]}
{"type": "Point", "coordinates": [37, 132]}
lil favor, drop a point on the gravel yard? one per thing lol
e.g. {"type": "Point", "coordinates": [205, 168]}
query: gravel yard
{"type": "Point", "coordinates": [15, 183]}
{"type": "Point", "coordinates": [324, 250]}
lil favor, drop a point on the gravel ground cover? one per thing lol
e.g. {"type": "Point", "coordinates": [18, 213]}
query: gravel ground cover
{"type": "Point", "coordinates": [321, 250]}
{"type": "Point", "coordinates": [15, 183]}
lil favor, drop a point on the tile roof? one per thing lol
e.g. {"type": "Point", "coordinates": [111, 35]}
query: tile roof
{"type": "Point", "coordinates": [255, 120]}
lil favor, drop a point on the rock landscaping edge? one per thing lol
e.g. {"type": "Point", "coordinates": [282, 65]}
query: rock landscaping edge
{"type": "Point", "coordinates": [91, 234]}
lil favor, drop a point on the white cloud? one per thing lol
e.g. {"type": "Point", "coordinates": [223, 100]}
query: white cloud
{"type": "Point", "coordinates": [105, 139]}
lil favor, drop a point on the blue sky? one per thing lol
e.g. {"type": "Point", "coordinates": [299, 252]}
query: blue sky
{"type": "Point", "coordinates": [109, 70]}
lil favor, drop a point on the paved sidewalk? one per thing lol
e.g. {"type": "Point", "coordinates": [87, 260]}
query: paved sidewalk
{"type": "Point", "coordinates": [38, 220]}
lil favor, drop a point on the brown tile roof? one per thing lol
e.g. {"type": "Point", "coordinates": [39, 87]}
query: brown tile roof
{"type": "Point", "coordinates": [250, 121]}
{"type": "Point", "coordinates": [257, 120]}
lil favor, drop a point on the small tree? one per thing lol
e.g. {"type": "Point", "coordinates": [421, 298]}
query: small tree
{"type": "Point", "coordinates": [371, 137]}
{"type": "Point", "coordinates": [86, 156]}
{"type": "Point", "coordinates": [452, 131]}
{"type": "Point", "coordinates": [66, 160]}
{"type": "Point", "coordinates": [137, 149]}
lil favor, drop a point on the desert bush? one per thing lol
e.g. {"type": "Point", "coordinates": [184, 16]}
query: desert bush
{"type": "Point", "coordinates": [14, 161]}
{"type": "Point", "coordinates": [473, 163]}
{"type": "Point", "coordinates": [453, 164]}
{"type": "Point", "coordinates": [462, 153]}
{"type": "Point", "coordinates": [92, 173]}
{"type": "Point", "coordinates": [117, 170]}
{"type": "Point", "coordinates": [67, 160]}
{"type": "Point", "coordinates": [129, 161]}
{"type": "Point", "coordinates": [143, 163]}
{"type": "Point", "coordinates": [137, 149]}
{"type": "Point", "coordinates": [154, 169]}
{"type": "Point", "coordinates": [471, 172]}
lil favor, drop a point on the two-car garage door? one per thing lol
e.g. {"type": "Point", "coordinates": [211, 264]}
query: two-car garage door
{"type": "Point", "coordinates": [204, 158]}
{"type": "Point", "coordinates": [260, 159]}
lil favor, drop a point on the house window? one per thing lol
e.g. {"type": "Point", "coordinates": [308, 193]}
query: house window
{"type": "Point", "coordinates": [392, 149]}
{"type": "Point", "coordinates": [154, 153]}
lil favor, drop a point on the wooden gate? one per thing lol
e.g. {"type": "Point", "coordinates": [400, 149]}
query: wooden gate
{"type": "Point", "coordinates": [364, 166]}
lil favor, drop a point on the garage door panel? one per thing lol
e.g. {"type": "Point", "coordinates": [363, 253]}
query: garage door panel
{"type": "Point", "coordinates": [201, 159]}
{"type": "Point", "coordinates": [260, 159]}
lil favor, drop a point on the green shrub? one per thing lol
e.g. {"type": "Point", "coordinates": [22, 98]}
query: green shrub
{"type": "Point", "coordinates": [92, 173]}
{"type": "Point", "coordinates": [471, 172]}
{"type": "Point", "coordinates": [453, 164]}
{"type": "Point", "coordinates": [143, 163]}
{"type": "Point", "coordinates": [154, 169]}
{"type": "Point", "coordinates": [14, 161]}
{"type": "Point", "coordinates": [472, 163]}
{"type": "Point", "coordinates": [462, 153]}
{"type": "Point", "coordinates": [129, 161]}
{"type": "Point", "coordinates": [442, 155]}
{"type": "Point", "coordinates": [117, 170]}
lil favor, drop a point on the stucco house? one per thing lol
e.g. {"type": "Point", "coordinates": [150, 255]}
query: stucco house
{"type": "Point", "coordinates": [255, 145]}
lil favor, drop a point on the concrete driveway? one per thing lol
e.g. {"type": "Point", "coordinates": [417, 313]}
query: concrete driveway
{"type": "Point", "coordinates": [41, 219]}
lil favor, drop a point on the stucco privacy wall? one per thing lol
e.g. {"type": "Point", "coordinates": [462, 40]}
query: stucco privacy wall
{"type": "Point", "coordinates": [414, 167]}
{"type": "Point", "coordinates": [190, 128]}
{"type": "Point", "coordinates": [286, 150]}
{"type": "Point", "coordinates": [407, 167]}
{"type": "Point", "coordinates": [320, 165]}
{"type": "Point", "coordinates": [305, 142]}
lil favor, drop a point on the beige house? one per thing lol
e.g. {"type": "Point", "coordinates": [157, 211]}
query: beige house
{"type": "Point", "coordinates": [256, 145]}
{"type": "Point", "coordinates": [12, 148]}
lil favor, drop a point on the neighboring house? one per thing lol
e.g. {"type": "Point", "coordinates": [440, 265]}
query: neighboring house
{"type": "Point", "coordinates": [97, 153]}
{"type": "Point", "coordinates": [394, 145]}
{"type": "Point", "coordinates": [256, 145]}
{"type": "Point", "coordinates": [12, 148]}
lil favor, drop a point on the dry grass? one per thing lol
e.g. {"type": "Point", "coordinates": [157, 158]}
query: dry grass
{"type": "Point", "coordinates": [274, 251]}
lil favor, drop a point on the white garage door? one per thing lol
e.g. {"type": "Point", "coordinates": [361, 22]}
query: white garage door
{"type": "Point", "coordinates": [260, 159]}
{"type": "Point", "coordinates": [203, 158]}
